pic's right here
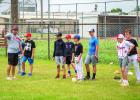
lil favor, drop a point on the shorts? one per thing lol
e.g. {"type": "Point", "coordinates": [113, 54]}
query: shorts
{"type": "Point", "coordinates": [123, 62]}
{"type": "Point", "coordinates": [24, 59]}
{"type": "Point", "coordinates": [68, 60]}
{"type": "Point", "coordinates": [13, 59]}
{"type": "Point", "coordinates": [59, 60]}
{"type": "Point", "coordinates": [91, 59]}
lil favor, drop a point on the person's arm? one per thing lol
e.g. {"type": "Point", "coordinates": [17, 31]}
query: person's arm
{"type": "Point", "coordinates": [8, 36]}
{"type": "Point", "coordinates": [80, 56]}
{"type": "Point", "coordinates": [97, 48]}
{"type": "Point", "coordinates": [73, 50]}
{"type": "Point", "coordinates": [54, 49]}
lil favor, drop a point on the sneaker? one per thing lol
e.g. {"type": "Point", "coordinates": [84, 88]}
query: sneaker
{"type": "Point", "coordinates": [87, 78]}
{"type": "Point", "coordinates": [29, 74]}
{"type": "Point", "coordinates": [64, 76]}
{"type": "Point", "coordinates": [22, 74]}
{"type": "Point", "coordinates": [93, 78]}
{"type": "Point", "coordinates": [124, 84]}
{"type": "Point", "coordinates": [57, 77]}
{"type": "Point", "coordinates": [8, 78]}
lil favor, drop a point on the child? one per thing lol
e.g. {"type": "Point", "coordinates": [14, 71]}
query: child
{"type": "Point", "coordinates": [59, 54]}
{"type": "Point", "coordinates": [28, 54]}
{"type": "Point", "coordinates": [20, 57]}
{"type": "Point", "coordinates": [123, 48]}
{"type": "Point", "coordinates": [78, 57]}
{"type": "Point", "coordinates": [69, 54]}
{"type": "Point", "coordinates": [14, 45]}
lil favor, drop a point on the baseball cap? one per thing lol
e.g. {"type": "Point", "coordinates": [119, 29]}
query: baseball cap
{"type": "Point", "coordinates": [91, 30]}
{"type": "Point", "coordinates": [77, 37]}
{"type": "Point", "coordinates": [28, 34]}
{"type": "Point", "coordinates": [68, 36]}
{"type": "Point", "coordinates": [120, 36]}
{"type": "Point", "coordinates": [14, 27]}
{"type": "Point", "coordinates": [58, 34]}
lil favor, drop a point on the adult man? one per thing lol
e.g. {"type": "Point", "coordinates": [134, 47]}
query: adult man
{"type": "Point", "coordinates": [14, 45]}
{"type": "Point", "coordinates": [92, 56]}
{"type": "Point", "coordinates": [133, 55]}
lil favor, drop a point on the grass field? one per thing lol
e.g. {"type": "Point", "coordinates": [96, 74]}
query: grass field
{"type": "Point", "coordinates": [43, 86]}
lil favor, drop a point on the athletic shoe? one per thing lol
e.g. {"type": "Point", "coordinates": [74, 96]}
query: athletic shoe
{"type": "Point", "coordinates": [93, 78]}
{"type": "Point", "coordinates": [9, 78]}
{"type": "Point", "coordinates": [64, 76]}
{"type": "Point", "coordinates": [87, 78]}
{"type": "Point", "coordinates": [57, 77]}
{"type": "Point", "coordinates": [22, 74]}
{"type": "Point", "coordinates": [123, 84]}
{"type": "Point", "coordinates": [29, 74]}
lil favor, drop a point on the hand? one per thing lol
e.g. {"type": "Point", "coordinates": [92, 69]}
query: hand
{"type": "Point", "coordinates": [32, 57]}
{"type": "Point", "coordinates": [138, 59]}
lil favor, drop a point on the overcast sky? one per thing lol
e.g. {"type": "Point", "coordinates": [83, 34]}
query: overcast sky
{"type": "Point", "coordinates": [126, 6]}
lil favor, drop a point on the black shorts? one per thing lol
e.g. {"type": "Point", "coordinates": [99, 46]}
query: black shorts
{"type": "Point", "coordinates": [68, 60]}
{"type": "Point", "coordinates": [13, 59]}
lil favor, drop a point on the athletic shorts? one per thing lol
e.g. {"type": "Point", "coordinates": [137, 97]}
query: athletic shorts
{"type": "Point", "coordinates": [123, 62]}
{"type": "Point", "coordinates": [59, 60]}
{"type": "Point", "coordinates": [13, 59]}
{"type": "Point", "coordinates": [68, 60]}
{"type": "Point", "coordinates": [30, 61]}
{"type": "Point", "coordinates": [91, 59]}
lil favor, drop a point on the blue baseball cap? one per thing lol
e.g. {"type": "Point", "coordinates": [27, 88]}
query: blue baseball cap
{"type": "Point", "coordinates": [58, 34]}
{"type": "Point", "coordinates": [91, 30]}
{"type": "Point", "coordinates": [77, 37]}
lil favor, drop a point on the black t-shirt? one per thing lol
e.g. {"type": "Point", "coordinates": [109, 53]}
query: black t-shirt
{"type": "Point", "coordinates": [59, 48]}
{"type": "Point", "coordinates": [78, 49]}
{"type": "Point", "coordinates": [28, 47]}
{"type": "Point", "coordinates": [69, 48]}
{"type": "Point", "coordinates": [134, 50]}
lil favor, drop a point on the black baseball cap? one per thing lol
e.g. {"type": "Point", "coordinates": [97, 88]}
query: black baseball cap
{"type": "Point", "coordinates": [91, 30]}
{"type": "Point", "coordinates": [58, 34]}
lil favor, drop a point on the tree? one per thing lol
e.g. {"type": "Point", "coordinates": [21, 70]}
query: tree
{"type": "Point", "coordinates": [116, 10]}
{"type": "Point", "coordinates": [14, 11]}
{"type": "Point", "coordinates": [1, 1]}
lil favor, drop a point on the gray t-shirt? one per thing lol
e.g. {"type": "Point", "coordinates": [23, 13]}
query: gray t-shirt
{"type": "Point", "coordinates": [14, 43]}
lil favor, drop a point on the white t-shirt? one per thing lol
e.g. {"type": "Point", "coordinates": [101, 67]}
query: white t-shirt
{"type": "Point", "coordinates": [123, 48]}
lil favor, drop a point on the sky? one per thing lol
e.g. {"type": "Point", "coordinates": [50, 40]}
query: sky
{"type": "Point", "coordinates": [126, 6]}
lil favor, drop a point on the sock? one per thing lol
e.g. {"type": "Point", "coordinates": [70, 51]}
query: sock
{"type": "Point", "coordinates": [88, 74]}
{"type": "Point", "coordinates": [94, 74]}
{"type": "Point", "coordinates": [69, 72]}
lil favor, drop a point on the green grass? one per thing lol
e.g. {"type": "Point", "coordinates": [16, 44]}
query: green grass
{"type": "Point", "coordinates": [43, 86]}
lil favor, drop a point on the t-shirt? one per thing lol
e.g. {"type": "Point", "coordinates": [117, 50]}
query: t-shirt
{"type": "Point", "coordinates": [134, 50]}
{"type": "Point", "coordinates": [93, 42]}
{"type": "Point", "coordinates": [69, 48]}
{"type": "Point", "coordinates": [28, 47]}
{"type": "Point", "coordinates": [59, 48]}
{"type": "Point", "coordinates": [78, 49]}
{"type": "Point", "coordinates": [123, 48]}
{"type": "Point", "coordinates": [14, 43]}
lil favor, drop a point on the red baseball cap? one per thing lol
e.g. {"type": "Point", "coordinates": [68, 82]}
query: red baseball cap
{"type": "Point", "coordinates": [68, 36]}
{"type": "Point", "coordinates": [28, 34]}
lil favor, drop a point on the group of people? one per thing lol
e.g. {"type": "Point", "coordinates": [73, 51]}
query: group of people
{"type": "Point", "coordinates": [70, 53]}
{"type": "Point", "coordinates": [127, 48]}
{"type": "Point", "coordinates": [19, 52]}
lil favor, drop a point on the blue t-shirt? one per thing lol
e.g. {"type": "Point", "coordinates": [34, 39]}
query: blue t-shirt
{"type": "Point", "coordinates": [93, 42]}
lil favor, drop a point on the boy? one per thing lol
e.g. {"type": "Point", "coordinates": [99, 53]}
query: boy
{"type": "Point", "coordinates": [59, 54]}
{"type": "Point", "coordinates": [14, 45]}
{"type": "Point", "coordinates": [92, 56]}
{"type": "Point", "coordinates": [78, 57]}
{"type": "Point", "coordinates": [123, 48]}
{"type": "Point", "coordinates": [28, 54]}
{"type": "Point", "coordinates": [69, 54]}
{"type": "Point", "coordinates": [133, 55]}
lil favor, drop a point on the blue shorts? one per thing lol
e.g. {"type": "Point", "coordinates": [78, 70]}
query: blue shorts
{"type": "Point", "coordinates": [24, 59]}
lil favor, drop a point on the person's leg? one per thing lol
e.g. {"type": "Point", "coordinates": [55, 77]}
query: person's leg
{"type": "Point", "coordinates": [8, 70]}
{"type": "Point", "coordinates": [23, 65]}
{"type": "Point", "coordinates": [13, 71]}
{"type": "Point", "coordinates": [57, 59]}
{"type": "Point", "coordinates": [136, 65]}
{"type": "Point", "coordinates": [94, 62]}
{"type": "Point", "coordinates": [94, 71]}
{"type": "Point", "coordinates": [87, 62]}
{"type": "Point", "coordinates": [73, 65]}
{"type": "Point", "coordinates": [69, 72]}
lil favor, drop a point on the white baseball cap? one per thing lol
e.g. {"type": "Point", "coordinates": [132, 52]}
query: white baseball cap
{"type": "Point", "coordinates": [120, 36]}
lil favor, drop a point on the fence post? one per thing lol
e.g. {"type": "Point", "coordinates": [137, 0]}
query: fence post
{"type": "Point", "coordinates": [49, 29]}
